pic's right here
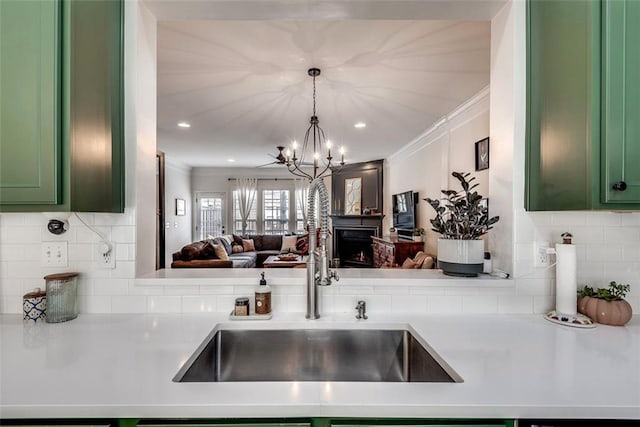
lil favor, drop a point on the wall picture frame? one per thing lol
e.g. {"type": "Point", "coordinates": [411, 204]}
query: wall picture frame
{"type": "Point", "coordinates": [181, 207]}
{"type": "Point", "coordinates": [482, 154]}
{"type": "Point", "coordinates": [353, 196]}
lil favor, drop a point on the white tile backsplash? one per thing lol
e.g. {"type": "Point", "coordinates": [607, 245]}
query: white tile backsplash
{"type": "Point", "coordinates": [608, 249]}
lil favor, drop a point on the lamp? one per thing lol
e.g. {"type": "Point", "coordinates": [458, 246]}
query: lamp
{"type": "Point", "coordinates": [316, 134]}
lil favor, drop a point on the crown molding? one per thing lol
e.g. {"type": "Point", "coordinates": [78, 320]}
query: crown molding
{"type": "Point", "coordinates": [459, 116]}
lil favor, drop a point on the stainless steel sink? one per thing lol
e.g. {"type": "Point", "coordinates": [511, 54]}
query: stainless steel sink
{"type": "Point", "coordinates": [314, 355]}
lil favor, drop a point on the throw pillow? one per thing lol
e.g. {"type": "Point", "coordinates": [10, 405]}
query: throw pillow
{"type": "Point", "coordinates": [189, 252]}
{"type": "Point", "coordinates": [221, 252]}
{"type": "Point", "coordinates": [237, 239]}
{"type": "Point", "coordinates": [419, 259]}
{"type": "Point", "coordinates": [302, 244]}
{"type": "Point", "coordinates": [408, 263]}
{"type": "Point", "coordinates": [289, 243]}
{"type": "Point", "coordinates": [428, 262]}
{"type": "Point", "coordinates": [225, 244]}
{"type": "Point", "coordinates": [207, 252]}
{"type": "Point", "coordinates": [228, 238]}
{"type": "Point", "coordinates": [248, 245]}
{"type": "Point", "coordinates": [236, 248]}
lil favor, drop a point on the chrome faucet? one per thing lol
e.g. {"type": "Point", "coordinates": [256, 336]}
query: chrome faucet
{"type": "Point", "coordinates": [362, 310]}
{"type": "Point", "coordinates": [318, 272]}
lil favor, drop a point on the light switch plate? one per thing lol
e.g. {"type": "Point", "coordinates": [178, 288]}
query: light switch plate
{"type": "Point", "coordinates": [54, 254]}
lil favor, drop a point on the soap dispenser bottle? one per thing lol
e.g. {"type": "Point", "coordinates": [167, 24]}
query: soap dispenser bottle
{"type": "Point", "coordinates": [263, 297]}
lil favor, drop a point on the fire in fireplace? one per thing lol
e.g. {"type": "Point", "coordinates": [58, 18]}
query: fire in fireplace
{"type": "Point", "coordinates": [353, 246]}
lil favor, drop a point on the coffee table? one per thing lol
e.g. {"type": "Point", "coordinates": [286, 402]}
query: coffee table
{"type": "Point", "coordinates": [274, 262]}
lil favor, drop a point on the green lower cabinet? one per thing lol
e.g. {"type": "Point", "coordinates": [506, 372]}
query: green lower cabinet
{"type": "Point", "coordinates": [583, 105]}
{"type": "Point", "coordinates": [326, 422]}
{"type": "Point", "coordinates": [426, 423]}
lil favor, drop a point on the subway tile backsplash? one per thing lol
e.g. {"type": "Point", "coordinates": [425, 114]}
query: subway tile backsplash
{"type": "Point", "coordinates": [608, 249]}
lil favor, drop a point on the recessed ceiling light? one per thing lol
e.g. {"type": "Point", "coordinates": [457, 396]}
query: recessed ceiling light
{"type": "Point", "coordinates": [360, 125]}
{"type": "Point", "coordinates": [184, 125]}
{"type": "Point", "coordinates": [231, 160]}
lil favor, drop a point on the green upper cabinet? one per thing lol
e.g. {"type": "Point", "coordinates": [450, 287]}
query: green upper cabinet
{"type": "Point", "coordinates": [77, 156]}
{"type": "Point", "coordinates": [583, 105]}
{"type": "Point", "coordinates": [562, 104]}
{"type": "Point", "coordinates": [29, 102]}
{"type": "Point", "coordinates": [621, 101]}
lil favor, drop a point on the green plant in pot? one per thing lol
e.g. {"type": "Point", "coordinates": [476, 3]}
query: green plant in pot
{"type": "Point", "coordinates": [461, 219]}
{"type": "Point", "coordinates": [418, 234]}
{"type": "Point", "coordinates": [605, 305]}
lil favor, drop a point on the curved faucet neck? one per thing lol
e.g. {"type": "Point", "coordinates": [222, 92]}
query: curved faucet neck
{"type": "Point", "coordinates": [318, 273]}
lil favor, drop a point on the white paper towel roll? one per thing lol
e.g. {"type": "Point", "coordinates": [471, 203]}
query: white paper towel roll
{"type": "Point", "coordinates": [566, 282]}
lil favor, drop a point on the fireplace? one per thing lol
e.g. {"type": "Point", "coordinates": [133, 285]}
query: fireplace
{"type": "Point", "coordinates": [353, 246]}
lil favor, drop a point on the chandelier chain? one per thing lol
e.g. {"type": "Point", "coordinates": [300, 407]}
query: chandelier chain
{"type": "Point", "coordinates": [294, 163]}
{"type": "Point", "coordinates": [314, 95]}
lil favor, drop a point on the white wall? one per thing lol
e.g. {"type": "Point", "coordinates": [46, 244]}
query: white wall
{"type": "Point", "coordinates": [140, 127]}
{"type": "Point", "coordinates": [178, 229]}
{"type": "Point", "coordinates": [425, 165]}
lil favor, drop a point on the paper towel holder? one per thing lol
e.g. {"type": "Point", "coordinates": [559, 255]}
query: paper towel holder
{"type": "Point", "coordinates": [575, 319]}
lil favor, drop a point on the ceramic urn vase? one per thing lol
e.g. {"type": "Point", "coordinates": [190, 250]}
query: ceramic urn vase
{"type": "Point", "coordinates": [463, 258]}
{"type": "Point", "coordinates": [614, 313]}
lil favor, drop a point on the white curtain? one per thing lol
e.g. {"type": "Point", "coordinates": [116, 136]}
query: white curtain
{"type": "Point", "coordinates": [247, 189]}
{"type": "Point", "coordinates": [302, 193]}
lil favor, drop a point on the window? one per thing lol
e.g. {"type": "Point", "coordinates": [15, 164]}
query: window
{"type": "Point", "coordinates": [210, 219]}
{"type": "Point", "coordinates": [301, 209]}
{"type": "Point", "coordinates": [252, 222]}
{"type": "Point", "coordinates": [275, 211]}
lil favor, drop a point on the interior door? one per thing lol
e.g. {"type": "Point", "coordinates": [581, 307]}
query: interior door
{"type": "Point", "coordinates": [210, 214]}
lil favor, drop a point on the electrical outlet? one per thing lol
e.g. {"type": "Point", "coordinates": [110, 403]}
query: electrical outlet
{"type": "Point", "coordinates": [104, 255]}
{"type": "Point", "coordinates": [541, 254]}
{"type": "Point", "coordinates": [54, 254]}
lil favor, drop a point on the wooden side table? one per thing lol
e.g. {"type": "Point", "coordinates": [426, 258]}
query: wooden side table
{"type": "Point", "coordinates": [391, 251]}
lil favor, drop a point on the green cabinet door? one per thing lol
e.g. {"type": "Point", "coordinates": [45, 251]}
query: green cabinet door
{"type": "Point", "coordinates": [562, 104]}
{"type": "Point", "coordinates": [29, 102]}
{"type": "Point", "coordinates": [96, 125]}
{"type": "Point", "coordinates": [61, 106]}
{"type": "Point", "coordinates": [621, 101]}
{"type": "Point", "coordinates": [423, 423]}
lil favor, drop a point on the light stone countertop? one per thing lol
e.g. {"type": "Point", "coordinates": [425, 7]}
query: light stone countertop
{"type": "Point", "coordinates": [513, 367]}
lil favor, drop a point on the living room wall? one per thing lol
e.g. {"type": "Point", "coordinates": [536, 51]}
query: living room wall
{"type": "Point", "coordinates": [425, 164]}
{"type": "Point", "coordinates": [178, 228]}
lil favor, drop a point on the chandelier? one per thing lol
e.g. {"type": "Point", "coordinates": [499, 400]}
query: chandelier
{"type": "Point", "coordinates": [295, 159]}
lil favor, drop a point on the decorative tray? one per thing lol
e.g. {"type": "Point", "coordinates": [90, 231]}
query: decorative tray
{"type": "Point", "coordinates": [252, 316]}
{"type": "Point", "coordinates": [288, 257]}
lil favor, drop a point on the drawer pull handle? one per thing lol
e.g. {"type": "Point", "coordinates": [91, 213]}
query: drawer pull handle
{"type": "Point", "coordinates": [620, 186]}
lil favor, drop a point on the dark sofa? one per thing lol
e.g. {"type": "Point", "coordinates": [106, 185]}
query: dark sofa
{"type": "Point", "coordinates": [200, 254]}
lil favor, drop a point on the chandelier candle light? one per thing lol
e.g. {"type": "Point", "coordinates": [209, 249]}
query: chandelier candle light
{"type": "Point", "coordinates": [294, 163]}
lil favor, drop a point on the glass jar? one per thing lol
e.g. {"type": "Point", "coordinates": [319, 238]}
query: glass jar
{"type": "Point", "coordinates": [62, 301]}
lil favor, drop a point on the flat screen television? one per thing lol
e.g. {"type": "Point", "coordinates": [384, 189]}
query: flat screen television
{"type": "Point", "coordinates": [404, 212]}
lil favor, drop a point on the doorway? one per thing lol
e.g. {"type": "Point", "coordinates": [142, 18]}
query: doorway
{"type": "Point", "coordinates": [160, 213]}
{"type": "Point", "coordinates": [210, 214]}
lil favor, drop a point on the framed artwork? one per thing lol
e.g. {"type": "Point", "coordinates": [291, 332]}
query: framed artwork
{"type": "Point", "coordinates": [352, 196]}
{"type": "Point", "coordinates": [180, 207]}
{"type": "Point", "coordinates": [482, 154]}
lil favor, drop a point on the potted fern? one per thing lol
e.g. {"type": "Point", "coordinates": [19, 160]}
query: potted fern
{"type": "Point", "coordinates": [461, 219]}
{"type": "Point", "coordinates": [605, 305]}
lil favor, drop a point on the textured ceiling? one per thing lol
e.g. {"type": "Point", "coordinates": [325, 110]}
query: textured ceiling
{"type": "Point", "coordinates": [243, 85]}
